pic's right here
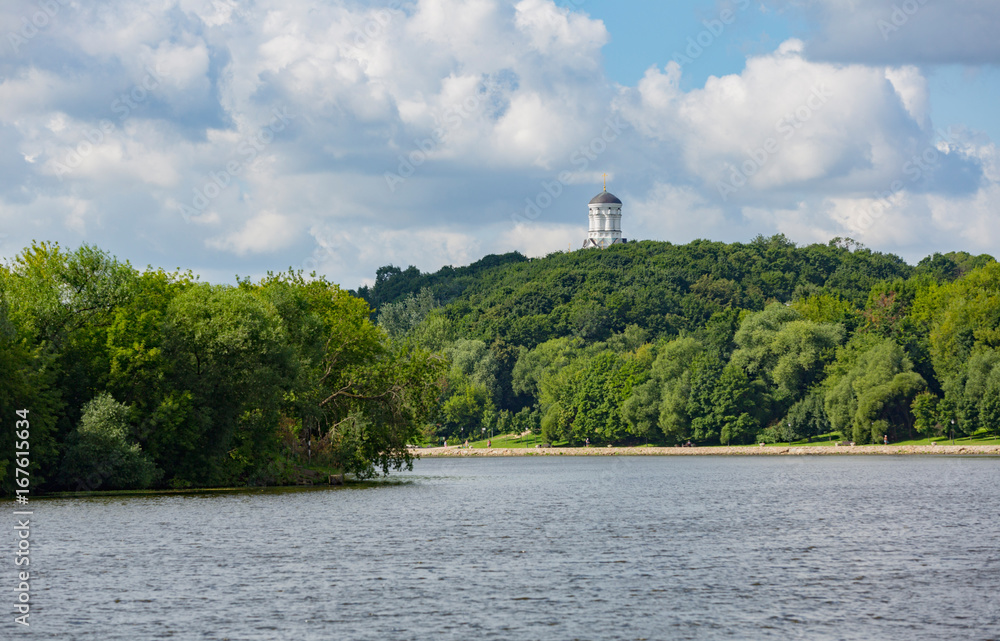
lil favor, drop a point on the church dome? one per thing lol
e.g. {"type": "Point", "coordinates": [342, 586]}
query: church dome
{"type": "Point", "coordinates": [605, 198]}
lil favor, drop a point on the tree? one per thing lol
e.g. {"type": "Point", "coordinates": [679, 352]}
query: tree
{"type": "Point", "coordinates": [226, 357]}
{"type": "Point", "coordinates": [974, 392]}
{"type": "Point", "coordinates": [734, 407]}
{"type": "Point", "coordinates": [683, 370]}
{"type": "Point", "coordinates": [925, 413]}
{"type": "Point", "coordinates": [398, 319]}
{"type": "Point", "coordinates": [786, 353]}
{"type": "Point", "coordinates": [25, 384]}
{"type": "Point", "coordinates": [806, 419]}
{"type": "Point", "coordinates": [871, 388]}
{"type": "Point", "coordinates": [463, 414]}
{"type": "Point", "coordinates": [99, 455]}
{"type": "Point", "coordinates": [473, 360]}
{"type": "Point", "coordinates": [365, 394]}
{"type": "Point", "coordinates": [963, 316]}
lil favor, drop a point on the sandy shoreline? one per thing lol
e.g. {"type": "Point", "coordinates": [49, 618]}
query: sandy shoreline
{"type": "Point", "coordinates": [866, 450]}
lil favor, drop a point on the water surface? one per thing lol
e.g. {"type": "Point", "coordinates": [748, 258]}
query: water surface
{"type": "Point", "coordinates": [543, 549]}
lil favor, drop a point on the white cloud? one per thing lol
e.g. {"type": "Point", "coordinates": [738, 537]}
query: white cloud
{"type": "Point", "coordinates": [479, 103]}
{"type": "Point", "coordinates": [343, 250]}
{"type": "Point", "coordinates": [678, 213]}
{"type": "Point", "coordinates": [266, 232]}
{"type": "Point", "coordinates": [786, 123]}
{"type": "Point", "coordinates": [540, 239]}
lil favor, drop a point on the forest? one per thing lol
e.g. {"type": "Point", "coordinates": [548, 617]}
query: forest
{"type": "Point", "coordinates": [707, 342]}
{"type": "Point", "coordinates": [138, 379]}
{"type": "Point", "coordinates": [147, 379]}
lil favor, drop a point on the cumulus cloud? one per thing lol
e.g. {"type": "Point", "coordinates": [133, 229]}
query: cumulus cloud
{"type": "Point", "coordinates": [788, 123]}
{"type": "Point", "coordinates": [237, 137]}
{"type": "Point", "coordinates": [266, 232]}
{"type": "Point", "coordinates": [814, 150]}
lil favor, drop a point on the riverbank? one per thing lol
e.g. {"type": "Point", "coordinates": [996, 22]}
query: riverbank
{"type": "Point", "coordinates": [749, 450]}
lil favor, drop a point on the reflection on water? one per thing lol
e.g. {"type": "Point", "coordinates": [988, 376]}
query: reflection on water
{"type": "Point", "coordinates": [569, 548]}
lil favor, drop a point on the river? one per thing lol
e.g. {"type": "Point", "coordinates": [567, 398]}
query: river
{"type": "Point", "coordinates": [866, 548]}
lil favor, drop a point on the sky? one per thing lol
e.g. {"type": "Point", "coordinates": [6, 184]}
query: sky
{"type": "Point", "coordinates": [236, 138]}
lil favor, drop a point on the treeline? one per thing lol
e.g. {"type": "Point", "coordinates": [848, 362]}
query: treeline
{"type": "Point", "coordinates": [708, 342]}
{"type": "Point", "coordinates": [136, 379]}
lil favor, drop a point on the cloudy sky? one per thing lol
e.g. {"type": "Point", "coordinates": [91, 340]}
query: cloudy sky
{"type": "Point", "coordinates": [235, 137]}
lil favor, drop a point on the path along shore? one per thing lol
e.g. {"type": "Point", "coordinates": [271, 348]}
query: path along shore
{"type": "Point", "coordinates": [861, 450]}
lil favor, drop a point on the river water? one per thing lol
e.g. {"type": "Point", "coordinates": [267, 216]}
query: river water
{"type": "Point", "coordinates": [867, 548]}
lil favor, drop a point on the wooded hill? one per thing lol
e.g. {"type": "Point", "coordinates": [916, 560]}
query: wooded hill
{"type": "Point", "coordinates": [708, 342]}
{"type": "Point", "coordinates": [136, 379]}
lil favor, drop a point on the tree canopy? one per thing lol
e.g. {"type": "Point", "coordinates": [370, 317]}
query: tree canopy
{"type": "Point", "coordinates": [152, 379]}
{"type": "Point", "coordinates": [155, 379]}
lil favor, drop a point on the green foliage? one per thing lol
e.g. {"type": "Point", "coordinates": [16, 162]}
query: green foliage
{"type": "Point", "coordinates": [825, 308]}
{"type": "Point", "coordinates": [463, 413]}
{"type": "Point", "coordinates": [397, 319]}
{"type": "Point", "coordinates": [658, 287]}
{"type": "Point", "coordinates": [214, 384]}
{"type": "Point", "coordinates": [806, 419]}
{"type": "Point", "coordinates": [26, 383]}
{"type": "Point", "coordinates": [127, 373]}
{"type": "Point", "coordinates": [973, 394]}
{"type": "Point", "coordinates": [787, 354]}
{"type": "Point", "coordinates": [99, 454]}
{"type": "Point", "coordinates": [926, 417]}
{"type": "Point", "coordinates": [734, 406]}
{"type": "Point", "coordinates": [871, 388]}
{"type": "Point", "coordinates": [226, 349]}
{"type": "Point", "coordinates": [961, 317]}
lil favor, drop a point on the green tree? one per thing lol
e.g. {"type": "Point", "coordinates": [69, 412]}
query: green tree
{"type": "Point", "coordinates": [807, 418]}
{"type": "Point", "coordinates": [734, 407]}
{"type": "Point", "coordinates": [226, 357]}
{"type": "Point", "coordinates": [99, 454]}
{"type": "Point", "coordinates": [398, 319]}
{"type": "Point", "coordinates": [786, 353]}
{"type": "Point", "coordinates": [925, 413]}
{"type": "Point", "coordinates": [974, 392]}
{"type": "Point", "coordinates": [871, 388]}
{"type": "Point", "coordinates": [25, 384]}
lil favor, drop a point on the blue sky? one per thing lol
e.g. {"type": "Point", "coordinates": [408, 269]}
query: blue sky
{"type": "Point", "coordinates": [237, 137]}
{"type": "Point", "coordinates": [648, 33]}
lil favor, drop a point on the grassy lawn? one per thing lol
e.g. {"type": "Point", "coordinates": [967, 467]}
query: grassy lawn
{"type": "Point", "coordinates": [511, 441]}
{"type": "Point", "coordinates": [829, 440]}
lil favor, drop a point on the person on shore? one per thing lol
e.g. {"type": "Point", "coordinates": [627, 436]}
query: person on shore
{"type": "Point", "coordinates": [489, 443]}
{"type": "Point", "coordinates": [885, 439]}
{"type": "Point", "coordinates": [587, 441]}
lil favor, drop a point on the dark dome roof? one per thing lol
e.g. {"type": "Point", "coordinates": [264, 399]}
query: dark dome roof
{"type": "Point", "coordinates": [605, 198]}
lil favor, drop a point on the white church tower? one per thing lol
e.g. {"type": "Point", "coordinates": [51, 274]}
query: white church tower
{"type": "Point", "coordinates": [605, 221]}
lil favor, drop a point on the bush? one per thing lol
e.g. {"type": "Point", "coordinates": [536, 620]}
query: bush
{"type": "Point", "coordinates": [99, 455]}
{"type": "Point", "coordinates": [770, 435]}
